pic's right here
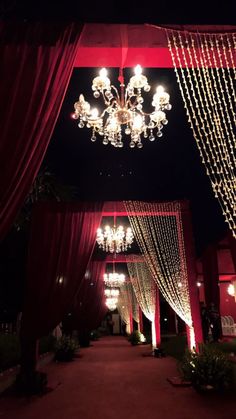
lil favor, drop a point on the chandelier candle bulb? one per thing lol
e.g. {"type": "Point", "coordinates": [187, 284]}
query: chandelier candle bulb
{"type": "Point", "coordinates": [138, 70]}
{"type": "Point", "coordinates": [123, 114]}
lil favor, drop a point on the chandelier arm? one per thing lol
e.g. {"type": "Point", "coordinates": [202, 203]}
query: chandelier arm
{"type": "Point", "coordinates": [132, 104]}
{"type": "Point", "coordinates": [107, 102]}
{"type": "Point", "coordinates": [117, 92]}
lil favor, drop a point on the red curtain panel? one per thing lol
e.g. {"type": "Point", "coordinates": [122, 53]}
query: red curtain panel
{"type": "Point", "coordinates": [90, 305]}
{"type": "Point", "coordinates": [62, 240]}
{"type": "Point", "coordinates": [36, 62]}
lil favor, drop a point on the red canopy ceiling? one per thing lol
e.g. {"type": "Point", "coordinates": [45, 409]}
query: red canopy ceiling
{"type": "Point", "coordinates": [119, 45]}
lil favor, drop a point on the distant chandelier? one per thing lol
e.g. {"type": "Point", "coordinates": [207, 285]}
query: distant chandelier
{"type": "Point", "coordinates": [114, 279]}
{"type": "Point", "coordinates": [111, 303]}
{"type": "Point", "coordinates": [115, 239]}
{"type": "Point", "coordinates": [123, 113]}
{"type": "Point", "coordinates": [112, 292]}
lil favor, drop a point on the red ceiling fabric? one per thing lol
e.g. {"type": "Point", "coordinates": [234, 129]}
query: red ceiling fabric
{"type": "Point", "coordinates": [119, 45]}
{"type": "Point", "coordinates": [36, 61]}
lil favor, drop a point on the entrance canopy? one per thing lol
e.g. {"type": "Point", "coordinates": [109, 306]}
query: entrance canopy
{"type": "Point", "coordinates": [121, 45]}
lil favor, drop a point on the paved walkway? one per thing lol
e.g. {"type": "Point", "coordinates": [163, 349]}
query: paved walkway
{"type": "Point", "coordinates": [113, 380]}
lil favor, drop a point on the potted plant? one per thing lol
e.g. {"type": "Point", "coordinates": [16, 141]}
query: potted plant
{"type": "Point", "coordinates": [65, 349]}
{"type": "Point", "coordinates": [208, 370]}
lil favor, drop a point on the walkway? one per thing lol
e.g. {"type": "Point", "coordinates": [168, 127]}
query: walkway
{"type": "Point", "coordinates": [112, 380]}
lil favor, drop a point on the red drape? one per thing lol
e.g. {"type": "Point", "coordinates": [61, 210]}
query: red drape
{"type": "Point", "coordinates": [90, 305]}
{"type": "Point", "coordinates": [36, 61]}
{"type": "Point", "coordinates": [62, 241]}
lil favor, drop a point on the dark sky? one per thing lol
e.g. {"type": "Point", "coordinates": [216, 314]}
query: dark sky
{"type": "Point", "coordinates": [131, 11]}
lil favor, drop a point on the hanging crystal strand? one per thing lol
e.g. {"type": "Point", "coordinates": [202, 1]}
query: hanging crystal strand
{"type": "Point", "coordinates": [93, 138]}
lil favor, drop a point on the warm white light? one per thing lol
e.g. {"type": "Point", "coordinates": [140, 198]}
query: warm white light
{"type": "Point", "coordinates": [199, 284]}
{"type": "Point", "coordinates": [230, 290]}
{"type": "Point", "coordinates": [60, 280]}
{"type": "Point", "coordinates": [94, 113]}
{"type": "Point", "coordinates": [113, 124]}
{"type": "Point", "coordinates": [160, 89]}
{"type": "Point", "coordinates": [138, 70]}
{"type": "Point", "coordinates": [137, 122]}
{"type": "Point", "coordinates": [192, 338]}
{"type": "Point", "coordinates": [115, 239]}
{"type": "Point", "coordinates": [111, 292]}
{"type": "Point", "coordinates": [103, 73]}
{"type": "Point", "coordinates": [180, 284]}
{"type": "Point", "coordinates": [114, 279]}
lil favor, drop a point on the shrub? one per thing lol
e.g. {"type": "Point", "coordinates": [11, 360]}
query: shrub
{"type": "Point", "coordinates": [9, 351]}
{"type": "Point", "coordinates": [95, 335]}
{"type": "Point", "coordinates": [47, 344]}
{"type": "Point", "coordinates": [136, 337]}
{"type": "Point", "coordinates": [65, 349]}
{"type": "Point", "coordinates": [207, 370]}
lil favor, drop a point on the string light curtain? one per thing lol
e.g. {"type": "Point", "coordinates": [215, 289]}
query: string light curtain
{"type": "Point", "coordinates": [159, 233]}
{"type": "Point", "coordinates": [134, 304]}
{"type": "Point", "coordinates": [205, 69]}
{"type": "Point", "coordinates": [131, 302]}
{"type": "Point", "coordinates": [124, 307]}
{"type": "Point", "coordinates": [144, 288]}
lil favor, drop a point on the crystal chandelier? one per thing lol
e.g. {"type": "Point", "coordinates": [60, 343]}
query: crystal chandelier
{"type": "Point", "coordinates": [115, 239]}
{"type": "Point", "coordinates": [123, 112]}
{"type": "Point", "coordinates": [114, 279]}
{"type": "Point", "coordinates": [111, 303]}
{"type": "Point", "coordinates": [112, 292]}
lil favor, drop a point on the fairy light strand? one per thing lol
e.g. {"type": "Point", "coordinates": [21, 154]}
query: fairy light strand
{"type": "Point", "coordinates": [124, 307]}
{"type": "Point", "coordinates": [144, 289]}
{"type": "Point", "coordinates": [204, 65]}
{"type": "Point", "coordinates": [161, 240]}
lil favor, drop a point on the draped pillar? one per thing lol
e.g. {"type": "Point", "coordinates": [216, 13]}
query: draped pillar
{"type": "Point", "coordinates": [62, 240]}
{"type": "Point", "coordinates": [140, 320]}
{"type": "Point", "coordinates": [157, 318]}
{"type": "Point", "coordinates": [145, 290]}
{"type": "Point", "coordinates": [158, 230]}
{"type": "Point", "coordinates": [36, 62]}
{"type": "Point", "coordinates": [192, 278]}
{"type": "Point", "coordinates": [135, 306]}
{"type": "Point", "coordinates": [124, 308]}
